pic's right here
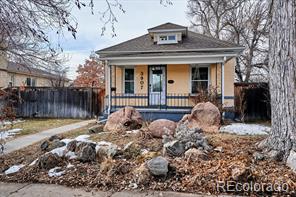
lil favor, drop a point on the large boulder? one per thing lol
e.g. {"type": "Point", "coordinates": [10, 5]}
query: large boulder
{"type": "Point", "coordinates": [125, 119]}
{"type": "Point", "coordinates": [205, 116]}
{"type": "Point", "coordinates": [161, 127]}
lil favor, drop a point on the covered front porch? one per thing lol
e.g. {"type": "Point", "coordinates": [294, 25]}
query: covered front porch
{"type": "Point", "coordinates": [167, 85]}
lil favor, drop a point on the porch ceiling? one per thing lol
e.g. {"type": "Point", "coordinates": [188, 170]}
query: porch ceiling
{"type": "Point", "coordinates": [156, 60]}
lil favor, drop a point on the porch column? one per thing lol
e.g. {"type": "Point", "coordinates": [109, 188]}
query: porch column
{"type": "Point", "coordinates": [222, 81]}
{"type": "Point", "coordinates": [109, 72]}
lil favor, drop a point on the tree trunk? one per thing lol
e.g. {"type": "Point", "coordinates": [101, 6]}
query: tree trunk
{"type": "Point", "coordinates": [282, 69]}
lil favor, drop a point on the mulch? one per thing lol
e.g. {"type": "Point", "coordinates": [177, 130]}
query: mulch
{"type": "Point", "coordinates": [200, 176]}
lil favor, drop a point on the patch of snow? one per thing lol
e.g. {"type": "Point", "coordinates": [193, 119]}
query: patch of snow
{"type": "Point", "coordinates": [14, 169]}
{"type": "Point", "coordinates": [71, 155]}
{"type": "Point", "coordinates": [9, 122]}
{"type": "Point", "coordinates": [83, 138]}
{"type": "Point", "coordinates": [66, 141]}
{"type": "Point", "coordinates": [70, 165]}
{"type": "Point", "coordinates": [133, 131]}
{"type": "Point", "coordinates": [144, 151]}
{"type": "Point", "coordinates": [59, 151]}
{"type": "Point", "coordinates": [245, 129]}
{"type": "Point", "coordinates": [103, 143]}
{"type": "Point", "coordinates": [9, 133]}
{"type": "Point", "coordinates": [33, 163]}
{"type": "Point", "coordinates": [55, 172]}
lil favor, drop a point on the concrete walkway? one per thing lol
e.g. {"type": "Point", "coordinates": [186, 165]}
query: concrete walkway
{"type": "Point", "coordinates": [47, 190]}
{"type": "Point", "coordinates": [27, 140]}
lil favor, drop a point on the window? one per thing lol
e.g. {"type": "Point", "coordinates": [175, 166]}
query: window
{"type": "Point", "coordinates": [129, 83]}
{"type": "Point", "coordinates": [167, 39]}
{"type": "Point", "coordinates": [199, 79]}
{"type": "Point", "coordinates": [12, 80]}
{"type": "Point", "coordinates": [30, 82]}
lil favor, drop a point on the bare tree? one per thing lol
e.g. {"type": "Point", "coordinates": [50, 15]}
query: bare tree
{"type": "Point", "coordinates": [282, 64]}
{"type": "Point", "coordinates": [241, 21]}
{"type": "Point", "coordinates": [25, 27]}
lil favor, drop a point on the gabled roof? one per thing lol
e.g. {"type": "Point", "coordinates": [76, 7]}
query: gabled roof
{"type": "Point", "coordinates": [167, 26]}
{"type": "Point", "coordinates": [13, 67]}
{"type": "Point", "coordinates": [192, 42]}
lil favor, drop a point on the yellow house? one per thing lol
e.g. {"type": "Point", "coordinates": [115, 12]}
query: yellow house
{"type": "Point", "coordinates": [161, 72]}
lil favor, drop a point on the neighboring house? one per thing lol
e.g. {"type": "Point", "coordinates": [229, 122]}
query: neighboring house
{"type": "Point", "coordinates": [13, 74]}
{"type": "Point", "coordinates": [160, 72]}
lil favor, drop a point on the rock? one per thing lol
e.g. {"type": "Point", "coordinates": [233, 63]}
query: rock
{"type": "Point", "coordinates": [131, 150]}
{"type": "Point", "coordinates": [161, 127]}
{"type": "Point", "coordinates": [56, 144]}
{"type": "Point", "coordinates": [241, 173]}
{"type": "Point", "coordinates": [205, 116]}
{"type": "Point", "coordinates": [194, 154]}
{"type": "Point", "coordinates": [71, 146]}
{"type": "Point", "coordinates": [174, 148]}
{"type": "Point", "coordinates": [191, 137]}
{"type": "Point", "coordinates": [258, 156]}
{"type": "Point", "coordinates": [104, 151]}
{"type": "Point", "coordinates": [54, 137]}
{"type": "Point", "coordinates": [86, 153]}
{"type": "Point", "coordinates": [141, 174]}
{"type": "Point", "coordinates": [80, 145]}
{"type": "Point", "coordinates": [125, 119]}
{"type": "Point", "coordinates": [44, 145]}
{"type": "Point", "coordinates": [291, 161]}
{"type": "Point", "coordinates": [275, 155]}
{"type": "Point", "coordinates": [158, 166]}
{"type": "Point", "coordinates": [48, 161]}
{"type": "Point", "coordinates": [96, 129]}
{"type": "Point", "coordinates": [219, 149]}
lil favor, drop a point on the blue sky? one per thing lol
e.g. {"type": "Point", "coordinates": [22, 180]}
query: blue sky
{"type": "Point", "coordinates": [140, 15]}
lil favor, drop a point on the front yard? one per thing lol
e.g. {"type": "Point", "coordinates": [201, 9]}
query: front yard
{"type": "Point", "coordinates": [31, 126]}
{"type": "Point", "coordinates": [125, 170]}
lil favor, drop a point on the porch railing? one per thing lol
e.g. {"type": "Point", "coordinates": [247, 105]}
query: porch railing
{"type": "Point", "coordinates": [146, 101]}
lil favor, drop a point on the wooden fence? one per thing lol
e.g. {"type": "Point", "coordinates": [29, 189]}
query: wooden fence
{"type": "Point", "coordinates": [252, 101]}
{"type": "Point", "coordinates": [64, 102]}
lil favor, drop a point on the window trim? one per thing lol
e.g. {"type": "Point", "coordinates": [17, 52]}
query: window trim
{"type": "Point", "coordinates": [123, 79]}
{"type": "Point", "coordinates": [31, 82]}
{"type": "Point", "coordinates": [167, 41]}
{"type": "Point", "coordinates": [190, 76]}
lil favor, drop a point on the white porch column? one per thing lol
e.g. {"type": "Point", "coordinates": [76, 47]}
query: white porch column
{"type": "Point", "coordinates": [222, 80]}
{"type": "Point", "coordinates": [109, 73]}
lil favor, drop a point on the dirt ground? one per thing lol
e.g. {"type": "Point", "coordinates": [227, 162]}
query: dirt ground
{"type": "Point", "coordinates": [201, 176]}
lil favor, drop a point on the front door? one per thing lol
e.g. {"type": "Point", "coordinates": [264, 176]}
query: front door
{"type": "Point", "coordinates": [157, 85]}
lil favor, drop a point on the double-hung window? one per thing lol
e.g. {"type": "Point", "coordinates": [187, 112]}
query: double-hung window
{"type": "Point", "coordinates": [199, 79]}
{"type": "Point", "coordinates": [129, 81]}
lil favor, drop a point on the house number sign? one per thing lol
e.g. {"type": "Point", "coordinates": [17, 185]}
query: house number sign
{"type": "Point", "coordinates": [142, 80]}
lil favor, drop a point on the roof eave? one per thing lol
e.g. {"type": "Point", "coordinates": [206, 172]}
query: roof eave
{"type": "Point", "coordinates": [236, 49]}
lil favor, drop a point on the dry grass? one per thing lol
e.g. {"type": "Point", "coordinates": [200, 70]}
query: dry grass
{"type": "Point", "coordinates": [31, 126]}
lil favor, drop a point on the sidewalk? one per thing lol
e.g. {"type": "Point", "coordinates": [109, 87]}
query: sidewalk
{"type": "Point", "coordinates": [27, 140]}
{"type": "Point", "coordinates": [46, 190]}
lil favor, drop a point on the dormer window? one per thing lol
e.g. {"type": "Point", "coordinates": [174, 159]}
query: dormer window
{"type": "Point", "coordinates": [167, 39]}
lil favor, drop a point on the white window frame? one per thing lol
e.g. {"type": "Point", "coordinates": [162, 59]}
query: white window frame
{"type": "Point", "coordinates": [159, 41]}
{"type": "Point", "coordinates": [31, 82]}
{"type": "Point", "coordinates": [123, 77]}
{"type": "Point", "coordinates": [190, 77]}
